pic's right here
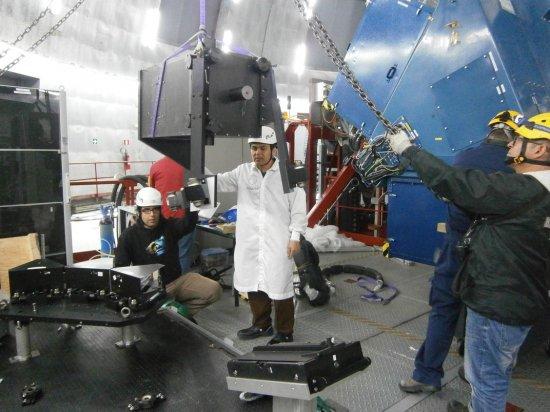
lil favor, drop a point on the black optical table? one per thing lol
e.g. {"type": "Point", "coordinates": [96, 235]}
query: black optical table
{"type": "Point", "coordinates": [65, 311]}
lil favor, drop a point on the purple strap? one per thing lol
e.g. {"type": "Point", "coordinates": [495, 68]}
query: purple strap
{"type": "Point", "coordinates": [202, 21]}
{"type": "Point", "coordinates": [374, 290]}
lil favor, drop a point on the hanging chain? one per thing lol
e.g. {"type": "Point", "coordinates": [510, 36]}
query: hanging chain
{"type": "Point", "coordinates": [27, 30]}
{"type": "Point", "coordinates": [331, 50]}
{"type": "Point", "coordinates": [44, 36]}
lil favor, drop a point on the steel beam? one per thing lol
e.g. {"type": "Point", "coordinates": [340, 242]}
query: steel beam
{"type": "Point", "coordinates": [330, 196]}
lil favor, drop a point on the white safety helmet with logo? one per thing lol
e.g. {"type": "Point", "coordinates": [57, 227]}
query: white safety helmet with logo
{"type": "Point", "coordinates": [148, 196]}
{"type": "Point", "coordinates": [267, 137]}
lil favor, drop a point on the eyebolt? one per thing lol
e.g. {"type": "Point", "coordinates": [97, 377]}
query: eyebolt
{"type": "Point", "coordinates": [125, 312]}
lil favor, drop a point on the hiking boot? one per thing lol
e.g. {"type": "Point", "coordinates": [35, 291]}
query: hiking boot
{"type": "Point", "coordinates": [254, 332]}
{"type": "Point", "coordinates": [412, 386]}
{"type": "Point", "coordinates": [281, 338]}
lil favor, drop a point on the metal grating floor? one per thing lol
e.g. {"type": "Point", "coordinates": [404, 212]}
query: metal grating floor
{"type": "Point", "coordinates": [390, 335]}
{"type": "Point", "coordinates": [84, 372]}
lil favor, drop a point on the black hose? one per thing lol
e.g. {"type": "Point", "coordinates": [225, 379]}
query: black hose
{"type": "Point", "coordinates": [114, 192]}
{"type": "Point", "coordinates": [117, 194]}
{"type": "Point", "coordinates": [353, 269]}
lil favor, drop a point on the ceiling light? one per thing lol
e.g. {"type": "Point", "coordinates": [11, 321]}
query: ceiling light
{"type": "Point", "coordinates": [55, 6]}
{"type": "Point", "coordinates": [310, 4]}
{"type": "Point", "coordinates": [150, 28]}
{"type": "Point", "coordinates": [299, 59]}
{"type": "Point", "coordinates": [226, 41]}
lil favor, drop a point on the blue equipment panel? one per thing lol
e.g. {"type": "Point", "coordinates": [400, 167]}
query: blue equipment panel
{"type": "Point", "coordinates": [483, 86]}
{"type": "Point", "coordinates": [378, 55]}
{"type": "Point", "coordinates": [413, 230]}
{"type": "Point", "coordinates": [457, 63]}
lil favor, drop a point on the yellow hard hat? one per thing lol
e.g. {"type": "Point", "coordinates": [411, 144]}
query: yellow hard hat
{"type": "Point", "coordinates": [536, 127]}
{"type": "Point", "coordinates": [506, 117]}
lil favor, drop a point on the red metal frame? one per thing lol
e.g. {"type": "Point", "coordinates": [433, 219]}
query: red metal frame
{"type": "Point", "coordinates": [366, 239]}
{"type": "Point", "coordinates": [315, 132]}
{"type": "Point", "coordinates": [330, 195]}
{"type": "Point", "coordinates": [290, 134]}
{"type": "Point", "coordinates": [333, 186]}
{"type": "Point", "coordinates": [97, 181]}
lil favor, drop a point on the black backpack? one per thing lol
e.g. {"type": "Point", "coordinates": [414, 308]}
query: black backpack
{"type": "Point", "coordinates": [313, 284]}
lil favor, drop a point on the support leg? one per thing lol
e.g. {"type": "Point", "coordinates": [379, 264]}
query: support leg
{"type": "Point", "coordinates": [129, 337]}
{"type": "Point", "coordinates": [293, 405]}
{"type": "Point", "coordinates": [23, 343]}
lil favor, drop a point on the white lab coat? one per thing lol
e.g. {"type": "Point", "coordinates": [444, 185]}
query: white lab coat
{"type": "Point", "coordinates": [267, 219]}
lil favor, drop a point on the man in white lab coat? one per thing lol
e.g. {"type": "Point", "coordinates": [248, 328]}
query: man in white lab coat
{"type": "Point", "coordinates": [269, 224]}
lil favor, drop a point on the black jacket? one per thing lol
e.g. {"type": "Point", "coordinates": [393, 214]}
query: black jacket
{"type": "Point", "coordinates": [488, 158]}
{"type": "Point", "coordinates": [506, 276]}
{"type": "Point", "coordinates": [139, 245]}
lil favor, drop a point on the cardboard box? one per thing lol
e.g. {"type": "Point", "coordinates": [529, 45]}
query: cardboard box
{"type": "Point", "coordinates": [15, 251]}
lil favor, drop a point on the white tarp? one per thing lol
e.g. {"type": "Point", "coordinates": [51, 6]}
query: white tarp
{"type": "Point", "coordinates": [327, 239]}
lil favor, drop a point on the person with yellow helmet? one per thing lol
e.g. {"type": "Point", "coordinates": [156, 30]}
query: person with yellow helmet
{"type": "Point", "coordinates": [505, 273]}
{"type": "Point", "coordinates": [489, 156]}
{"type": "Point", "coordinates": [503, 126]}
{"type": "Point", "coordinates": [534, 136]}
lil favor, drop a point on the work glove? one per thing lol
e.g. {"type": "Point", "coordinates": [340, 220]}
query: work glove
{"type": "Point", "coordinates": [399, 141]}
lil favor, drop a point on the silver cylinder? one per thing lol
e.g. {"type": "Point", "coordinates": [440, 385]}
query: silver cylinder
{"type": "Point", "coordinates": [128, 336]}
{"type": "Point", "coordinates": [23, 341]}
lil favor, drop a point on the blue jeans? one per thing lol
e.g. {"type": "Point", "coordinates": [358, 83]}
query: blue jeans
{"type": "Point", "coordinates": [491, 353]}
{"type": "Point", "coordinates": [428, 364]}
{"type": "Point", "coordinates": [184, 245]}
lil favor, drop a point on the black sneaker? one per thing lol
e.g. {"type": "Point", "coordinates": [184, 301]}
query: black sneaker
{"type": "Point", "coordinates": [281, 338]}
{"type": "Point", "coordinates": [254, 332]}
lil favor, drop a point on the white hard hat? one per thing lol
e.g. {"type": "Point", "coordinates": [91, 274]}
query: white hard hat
{"type": "Point", "coordinates": [148, 196]}
{"type": "Point", "coordinates": [268, 136]}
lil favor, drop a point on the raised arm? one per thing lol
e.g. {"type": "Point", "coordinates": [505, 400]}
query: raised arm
{"type": "Point", "coordinates": [470, 189]}
{"type": "Point", "coordinates": [229, 181]}
{"type": "Point", "coordinates": [185, 225]}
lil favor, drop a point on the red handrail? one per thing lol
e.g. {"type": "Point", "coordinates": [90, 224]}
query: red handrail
{"type": "Point", "coordinates": [97, 180]}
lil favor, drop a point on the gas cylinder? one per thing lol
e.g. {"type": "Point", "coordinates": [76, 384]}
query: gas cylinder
{"type": "Point", "coordinates": [106, 234]}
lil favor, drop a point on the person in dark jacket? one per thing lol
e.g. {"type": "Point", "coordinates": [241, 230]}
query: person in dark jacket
{"type": "Point", "coordinates": [154, 239]}
{"type": "Point", "coordinates": [167, 176]}
{"type": "Point", "coordinates": [488, 157]}
{"type": "Point", "coordinates": [505, 276]}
